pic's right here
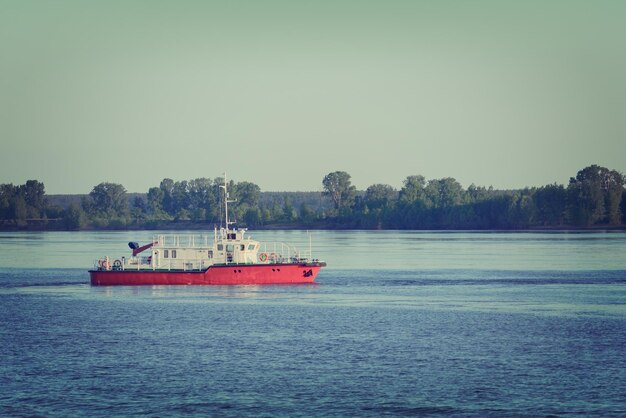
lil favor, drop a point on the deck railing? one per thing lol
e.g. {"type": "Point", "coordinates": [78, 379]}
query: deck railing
{"type": "Point", "coordinates": [280, 252]}
{"type": "Point", "coordinates": [268, 253]}
{"type": "Point", "coordinates": [185, 241]}
{"type": "Point", "coordinates": [145, 263]}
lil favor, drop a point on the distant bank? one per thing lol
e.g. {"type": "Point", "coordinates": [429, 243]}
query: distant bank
{"type": "Point", "coordinates": [593, 199]}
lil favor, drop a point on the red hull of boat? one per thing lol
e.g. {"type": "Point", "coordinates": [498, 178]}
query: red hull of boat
{"type": "Point", "coordinates": [215, 275]}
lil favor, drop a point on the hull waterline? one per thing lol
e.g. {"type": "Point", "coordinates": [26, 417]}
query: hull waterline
{"type": "Point", "coordinates": [231, 274]}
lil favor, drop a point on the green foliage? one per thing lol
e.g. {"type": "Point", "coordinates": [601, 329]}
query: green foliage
{"type": "Point", "coordinates": [247, 193]}
{"type": "Point", "coordinates": [551, 204]}
{"type": "Point", "coordinates": [203, 199]}
{"type": "Point", "coordinates": [181, 198]}
{"type": "Point", "coordinates": [444, 193]}
{"type": "Point", "coordinates": [20, 210]}
{"type": "Point", "coordinates": [289, 213]}
{"type": "Point", "coordinates": [195, 200]}
{"type": "Point", "coordinates": [376, 206]}
{"type": "Point", "coordinates": [167, 202]}
{"type": "Point", "coordinates": [595, 197]}
{"type": "Point", "coordinates": [413, 190]}
{"type": "Point", "coordinates": [20, 203]}
{"type": "Point", "coordinates": [107, 200]}
{"type": "Point", "coordinates": [380, 196]}
{"type": "Point", "coordinates": [7, 192]}
{"type": "Point", "coordinates": [54, 211]}
{"type": "Point", "coordinates": [33, 193]}
{"type": "Point", "coordinates": [74, 217]}
{"type": "Point", "coordinates": [183, 215]}
{"type": "Point", "coordinates": [307, 214]}
{"type": "Point", "coordinates": [138, 210]}
{"type": "Point", "coordinates": [155, 200]}
{"type": "Point", "coordinates": [338, 186]}
{"type": "Point", "coordinates": [253, 217]}
{"type": "Point", "coordinates": [478, 194]}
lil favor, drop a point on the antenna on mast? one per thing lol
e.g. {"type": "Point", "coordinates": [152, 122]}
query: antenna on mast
{"type": "Point", "coordinates": [226, 201]}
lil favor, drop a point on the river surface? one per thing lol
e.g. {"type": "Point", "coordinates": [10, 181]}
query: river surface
{"type": "Point", "coordinates": [399, 323]}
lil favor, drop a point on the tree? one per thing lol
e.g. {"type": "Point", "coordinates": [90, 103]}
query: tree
{"type": "Point", "coordinates": [338, 186]}
{"type": "Point", "coordinates": [138, 209]}
{"type": "Point", "coordinates": [444, 193]}
{"type": "Point", "coordinates": [22, 202]}
{"type": "Point", "coordinates": [155, 199]}
{"type": "Point", "coordinates": [167, 187]}
{"type": "Point", "coordinates": [252, 217]}
{"type": "Point", "coordinates": [108, 200]}
{"type": "Point", "coordinates": [247, 193]}
{"type": "Point", "coordinates": [74, 217]}
{"type": "Point", "coordinates": [478, 194]}
{"type": "Point", "coordinates": [411, 203]}
{"type": "Point", "coordinates": [613, 187]}
{"type": "Point", "coordinates": [380, 196]}
{"type": "Point", "coordinates": [203, 200]}
{"type": "Point", "coordinates": [376, 206]}
{"type": "Point", "coordinates": [307, 215]}
{"type": "Point", "coordinates": [551, 203]}
{"type": "Point", "coordinates": [595, 195]}
{"type": "Point", "coordinates": [20, 211]}
{"type": "Point", "coordinates": [521, 211]}
{"type": "Point", "coordinates": [181, 200]}
{"type": "Point", "coordinates": [289, 213]}
{"type": "Point", "coordinates": [413, 189]}
{"type": "Point", "coordinates": [7, 196]}
{"type": "Point", "coordinates": [33, 192]}
{"type": "Point", "coordinates": [623, 204]}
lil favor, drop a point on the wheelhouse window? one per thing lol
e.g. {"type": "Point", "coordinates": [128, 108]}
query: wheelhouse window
{"type": "Point", "coordinates": [242, 247]}
{"type": "Point", "coordinates": [220, 247]}
{"type": "Point", "coordinates": [230, 248]}
{"type": "Point", "coordinates": [251, 247]}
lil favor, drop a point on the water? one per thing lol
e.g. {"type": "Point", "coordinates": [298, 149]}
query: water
{"type": "Point", "coordinates": [400, 323]}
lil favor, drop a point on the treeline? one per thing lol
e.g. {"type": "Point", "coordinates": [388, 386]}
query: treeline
{"type": "Point", "coordinates": [20, 203]}
{"type": "Point", "coordinates": [594, 197]}
{"type": "Point", "coordinates": [196, 203]}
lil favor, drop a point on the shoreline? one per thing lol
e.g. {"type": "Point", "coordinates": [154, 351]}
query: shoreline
{"type": "Point", "coordinates": [57, 225]}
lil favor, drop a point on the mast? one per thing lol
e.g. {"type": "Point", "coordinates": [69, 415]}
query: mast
{"type": "Point", "coordinates": [226, 201]}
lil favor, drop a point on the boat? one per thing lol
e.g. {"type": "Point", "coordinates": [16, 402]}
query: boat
{"type": "Point", "coordinates": [229, 258]}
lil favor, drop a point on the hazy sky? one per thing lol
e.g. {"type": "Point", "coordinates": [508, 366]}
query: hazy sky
{"type": "Point", "coordinates": [280, 93]}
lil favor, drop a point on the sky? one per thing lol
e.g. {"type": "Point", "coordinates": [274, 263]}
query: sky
{"type": "Point", "coordinates": [502, 93]}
